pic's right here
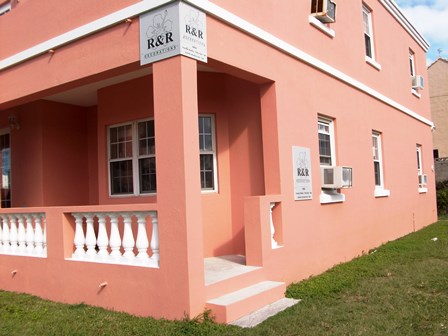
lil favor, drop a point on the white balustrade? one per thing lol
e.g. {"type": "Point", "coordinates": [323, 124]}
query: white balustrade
{"type": "Point", "coordinates": [101, 241]}
{"type": "Point", "coordinates": [23, 234]}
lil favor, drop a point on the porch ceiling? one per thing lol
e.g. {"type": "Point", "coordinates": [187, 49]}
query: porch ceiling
{"type": "Point", "coordinates": [86, 95]}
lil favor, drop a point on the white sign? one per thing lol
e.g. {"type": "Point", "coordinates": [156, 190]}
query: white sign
{"type": "Point", "coordinates": [175, 29]}
{"type": "Point", "coordinates": [303, 184]}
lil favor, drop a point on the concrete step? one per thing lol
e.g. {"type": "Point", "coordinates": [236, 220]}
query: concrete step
{"type": "Point", "coordinates": [234, 305]}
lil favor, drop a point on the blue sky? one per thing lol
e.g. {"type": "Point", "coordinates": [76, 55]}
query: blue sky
{"type": "Point", "coordinates": [430, 17]}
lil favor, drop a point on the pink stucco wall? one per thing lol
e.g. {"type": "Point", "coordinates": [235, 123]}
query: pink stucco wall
{"type": "Point", "coordinates": [265, 101]}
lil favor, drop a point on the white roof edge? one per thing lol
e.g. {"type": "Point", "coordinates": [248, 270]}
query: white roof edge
{"type": "Point", "coordinates": [396, 12]}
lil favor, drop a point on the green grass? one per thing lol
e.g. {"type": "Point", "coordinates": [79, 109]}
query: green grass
{"type": "Point", "coordinates": [400, 288]}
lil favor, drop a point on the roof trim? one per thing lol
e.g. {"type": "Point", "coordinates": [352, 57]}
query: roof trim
{"type": "Point", "coordinates": [396, 12]}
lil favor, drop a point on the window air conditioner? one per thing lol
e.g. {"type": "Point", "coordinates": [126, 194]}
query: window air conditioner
{"type": "Point", "coordinates": [422, 180]}
{"type": "Point", "coordinates": [324, 10]}
{"type": "Point", "coordinates": [336, 177]}
{"type": "Point", "coordinates": [417, 82]}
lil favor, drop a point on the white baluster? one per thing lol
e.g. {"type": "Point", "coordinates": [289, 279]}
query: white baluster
{"type": "Point", "coordinates": [45, 234]}
{"type": "Point", "coordinates": [103, 241]}
{"type": "Point", "coordinates": [13, 234]}
{"type": "Point", "coordinates": [38, 235]}
{"type": "Point", "coordinates": [155, 238]}
{"type": "Point", "coordinates": [274, 244]}
{"type": "Point", "coordinates": [29, 234]}
{"type": "Point", "coordinates": [6, 246]}
{"type": "Point", "coordinates": [142, 242]}
{"type": "Point", "coordinates": [128, 237]}
{"type": "Point", "coordinates": [90, 236]}
{"type": "Point", "coordinates": [21, 235]}
{"type": "Point", "coordinates": [79, 240]}
{"type": "Point", "coordinates": [115, 239]}
{"type": "Point", "coordinates": [1, 235]}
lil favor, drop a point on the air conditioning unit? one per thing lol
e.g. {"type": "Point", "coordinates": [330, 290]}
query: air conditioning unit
{"type": "Point", "coordinates": [324, 10]}
{"type": "Point", "coordinates": [422, 180]}
{"type": "Point", "coordinates": [417, 82]}
{"type": "Point", "coordinates": [336, 177]}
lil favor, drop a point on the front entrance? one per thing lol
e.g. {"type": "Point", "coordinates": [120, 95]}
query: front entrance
{"type": "Point", "coordinates": [6, 169]}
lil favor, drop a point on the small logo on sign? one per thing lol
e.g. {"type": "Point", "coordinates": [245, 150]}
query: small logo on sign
{"type": "Point", "coordinates": [160, 33]}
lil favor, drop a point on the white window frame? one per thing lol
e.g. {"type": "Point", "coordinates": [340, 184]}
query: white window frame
{"type": "Point", "coordinates": [367, 15]}
{"type": "Point", "coordinates": [329, 196]}
{"type": "Point", "coordinates": [330, 123]}
{"type": "Point", "coordinates": [135, 159]}
{"type": "Point", "coordinates": [420, 168]}
{"type": "Point", "coordinates": [211, 152]}
{"type": "Point", "coordinates": [413, 72]}
{"type": "Point", "coordinates": [377, 153]}
{"type": "Point", "coordinates": [5, 7]}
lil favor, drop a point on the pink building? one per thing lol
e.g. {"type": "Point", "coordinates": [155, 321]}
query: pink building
{"type": "Point", "coordinates": [164, 157]}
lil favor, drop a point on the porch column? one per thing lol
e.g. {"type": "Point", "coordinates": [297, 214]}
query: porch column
{"type": "Point", "coordinates": [178, 181]}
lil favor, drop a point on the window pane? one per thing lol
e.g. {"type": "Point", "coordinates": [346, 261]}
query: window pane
{"type": "Point", "coordinates": [146, 138]}
{"type": "Point", "coordinates": [368, 45]}
{"type": "Point", "coordinates": [113, 151]}
{"type": "Point", "coordinates": [376, 166]}
{"type": "Point", "coordinates": [207, 174]}
{"type": "Point", "coordinates": [121, 177]}
{"type": "Point", "coordinates": [147, 173]}
{"type": "Point", "coordinates": [325, 149]}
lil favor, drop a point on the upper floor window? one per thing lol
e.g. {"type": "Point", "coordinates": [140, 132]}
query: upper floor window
{"type": "Point", "coordinates": [368, 32]}
{"type": "Point", "coordinates": [411, 63]}
{"type": "Point", "coordinates": [5, 7]}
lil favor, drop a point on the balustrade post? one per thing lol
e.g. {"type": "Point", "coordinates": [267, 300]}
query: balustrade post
{"type": "Point", "coordinates": [6, 246]}
{"type": "Point", "coordinates": [274, 244]}
{"type": "Point", "coordinates": [155, 238]}
{"type": "Point", "coordinates": [45, 234]}
{"type": "Point", "coordinates": [29, 234]}
{"type": "Point", "coordinates": [13, 234]}
{"type": "Point", "coordinates": [79, 240]}
{"type": "Point", "coordinates": [90, 235]}
{"type": "Point", "coordinates": [1, 235]}
{"type": "Point", "coordinates": [102, 241]}
{"type": "Point", "coordinates": [128, 236]}
{"type": "Point", "coordinates": [21, 235]}
{"type": "Point", "coordinates": [38, 235]}
{"type": "Point", "coordinates": [142, 242]}
{"type": "Point", "coordinates": [115, 239]}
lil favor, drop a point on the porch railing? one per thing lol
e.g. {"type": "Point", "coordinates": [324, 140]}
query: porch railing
{"type": "Point", "coordinates": [23, 234]}
{"type": "Point", "coordinates": [108, 237]}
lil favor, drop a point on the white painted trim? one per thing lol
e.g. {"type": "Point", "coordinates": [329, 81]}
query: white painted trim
{"type": "Point", "coordinates": [332, 196]}
{"type": "Point", "coordinates": [83, 31]}
{"type": "Point", "coordinates": [396, 12]}
{"type": "Point", "coordinates": [319, 25]}
{"type": "Point", "coordinates": [415, 93]}
{"type": "Point", "coordinates": [373, 63]}
{"type": "Point", "coordinates": [422, 190]}
{"type": "Point", "coordinates": [380, 192]}
{"type": "Point", "coordinates": [220, 14]}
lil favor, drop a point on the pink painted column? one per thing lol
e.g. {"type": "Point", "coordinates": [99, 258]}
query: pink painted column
{"type": "Point", "coordinates": [178, 181]}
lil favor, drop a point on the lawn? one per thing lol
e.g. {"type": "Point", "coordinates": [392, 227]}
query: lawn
{"type": "Point", "coordinates": [400, 288]}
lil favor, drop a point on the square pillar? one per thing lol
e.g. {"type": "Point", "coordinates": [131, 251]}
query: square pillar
{"type": "Point", "coordinates": [178, 181]}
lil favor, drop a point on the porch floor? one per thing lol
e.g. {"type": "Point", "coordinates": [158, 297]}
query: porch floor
{"type": "Point", "coordinates": [225, 267]}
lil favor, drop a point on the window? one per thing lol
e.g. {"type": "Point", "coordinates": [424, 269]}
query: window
{"type": "Point", "coordinates": [368, 32]}
{"type": "Point", "coordinates": [5, 7]}
{"type": "Point", "coordinates": [421, 177]}
{"type": "Point", "coordinates": [207, 152]}
{"type": "Point", "coordinates": [378, 165]}
{"type": "Point", "coordinates": [132, 165]}
{"type": "Point", "coordinates": [326, 142]}
{"type": "Point", "coordinates": [5, 149]}
{"type": "Point", "coordinates": [327, 157]}
{"type": "Point", "coordinates": [411, 63]}
{"type": "Point", "coordinates": [435, 154]}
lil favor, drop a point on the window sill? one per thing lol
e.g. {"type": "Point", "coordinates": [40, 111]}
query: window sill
{"type": "Point", "coordinates": [373, 63]}
{"type": "Point", "coordinates": [331, 196]}
{"type": "Point", "coordinates": [380, 192]}
{"type": "Point", "coordinates": [319, 25]}
{"type": "Point", "coordinates": [415, 93]}
{"type": "Point", "coordinates": [422, 190]}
